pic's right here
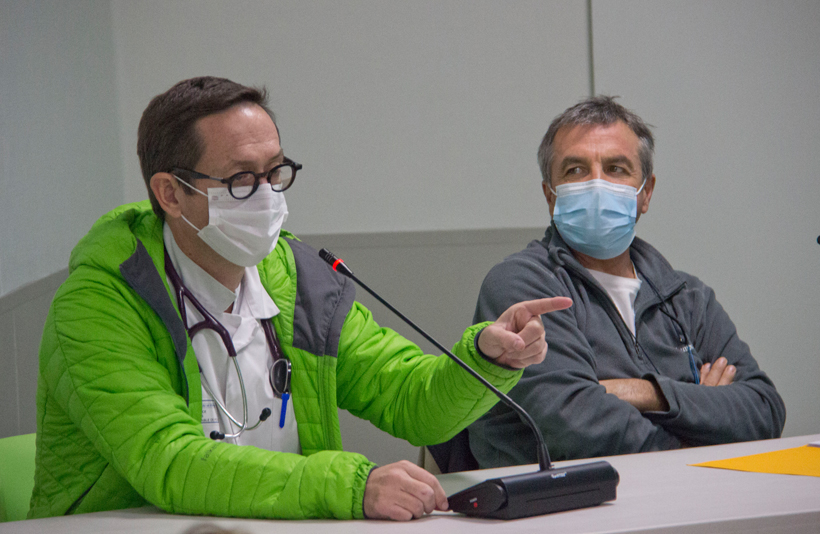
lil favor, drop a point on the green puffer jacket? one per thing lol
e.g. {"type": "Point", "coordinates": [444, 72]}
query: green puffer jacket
{"type": "Point", "coordinates": [119, 396]}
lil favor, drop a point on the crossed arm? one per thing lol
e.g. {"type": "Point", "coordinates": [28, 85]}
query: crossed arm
{"type": "Point", "coordinates": [646, 396]}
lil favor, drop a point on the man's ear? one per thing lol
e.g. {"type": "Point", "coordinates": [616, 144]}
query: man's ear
{"type": "Point", "coordinates": [166, 190]}
{"type": "Point", "coordinates": [549, 195]}
{"type": "Point", "coordinates": [648, 189]}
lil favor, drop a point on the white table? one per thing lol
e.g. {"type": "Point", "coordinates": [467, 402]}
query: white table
{"type": "Point", "coordinates": [658, 492]}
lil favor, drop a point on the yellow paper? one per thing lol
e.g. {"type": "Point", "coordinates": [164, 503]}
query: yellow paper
{"type": "Point", "coordinates": [798, 461]}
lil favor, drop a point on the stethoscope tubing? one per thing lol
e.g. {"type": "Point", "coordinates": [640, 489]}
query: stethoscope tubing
{"type": "Point", "coordinates": [210, 322]}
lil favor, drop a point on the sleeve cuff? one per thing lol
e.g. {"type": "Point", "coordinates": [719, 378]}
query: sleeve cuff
{"type": "Point", "coordinates": [666, 387]}
{"type": "Point", "coordinates": [467, 350]}
{"type": "Point", "coordinates": [487, 358]}
{"type": "Point", "coordinates": [363, 472]}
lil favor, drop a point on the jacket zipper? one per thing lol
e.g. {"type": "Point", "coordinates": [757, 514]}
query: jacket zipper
{"type": "Point", "coordinates": [611, 311]}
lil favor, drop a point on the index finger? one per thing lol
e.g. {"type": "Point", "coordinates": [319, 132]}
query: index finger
{"type": "Point", "coordinates": [547, 305]}
{"type": "Point", "coordinates": [424, 476]}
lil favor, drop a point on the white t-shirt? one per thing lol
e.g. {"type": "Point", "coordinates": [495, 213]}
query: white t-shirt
{"type": "Point", "coordinates": [622, 291]}
{"type": "Point", "coordinates": [251, 304]}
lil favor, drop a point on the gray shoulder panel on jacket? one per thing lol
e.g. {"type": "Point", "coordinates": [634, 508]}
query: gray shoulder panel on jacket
{"type": "Point", "coordinates": [323, 300]}
{"type": "Point", "coordinates": [141, 274]}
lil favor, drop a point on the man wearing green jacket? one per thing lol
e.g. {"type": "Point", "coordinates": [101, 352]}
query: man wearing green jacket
{"type": "Point", "coordinates": [195, 358]}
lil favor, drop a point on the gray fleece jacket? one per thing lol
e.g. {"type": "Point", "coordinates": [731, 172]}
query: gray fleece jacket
{"type": "Point", "coordinates": [590, 342]}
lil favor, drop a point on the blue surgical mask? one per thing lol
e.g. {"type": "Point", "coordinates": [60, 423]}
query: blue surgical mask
{"type": "Point", "coordinates": [596, 217]}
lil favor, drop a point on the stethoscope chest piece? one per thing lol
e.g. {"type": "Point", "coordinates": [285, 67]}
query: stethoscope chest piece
{"type": "Point", "coordinates": [280, 376]}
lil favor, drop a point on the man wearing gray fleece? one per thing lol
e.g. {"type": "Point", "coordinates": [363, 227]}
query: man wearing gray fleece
{"type": "Point", "coordinates": [646, 359]}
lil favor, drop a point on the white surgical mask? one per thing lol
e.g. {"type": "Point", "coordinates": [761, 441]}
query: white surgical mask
{"type": "Point", "coordinates": [243, 231]}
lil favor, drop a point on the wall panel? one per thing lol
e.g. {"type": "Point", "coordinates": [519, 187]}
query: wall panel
{"type": "Point", "coordinates": [60, 164]}
{"type": "Point", "coordinates": [732, 88]}
{"type": "Point", "coordinates": [407, 116]}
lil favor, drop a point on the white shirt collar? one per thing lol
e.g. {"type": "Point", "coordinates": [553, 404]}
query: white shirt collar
{"type": "Point", "coordinates": [216, 298]}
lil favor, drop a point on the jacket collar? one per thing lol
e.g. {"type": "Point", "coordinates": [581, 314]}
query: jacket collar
{"type": "Point", "coordinates": [651, 266]}
{"type": "Point", "coordinates": [141, 274]}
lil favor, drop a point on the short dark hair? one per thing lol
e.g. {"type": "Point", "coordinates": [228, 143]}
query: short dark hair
{"type": "Point", "coordinates": [598, 110]}
{"type": "Point", "coordinates": [167, 136]}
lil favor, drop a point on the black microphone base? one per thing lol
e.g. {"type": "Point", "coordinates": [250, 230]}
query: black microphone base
{"type": "Point", "coordinates": [542, 492]}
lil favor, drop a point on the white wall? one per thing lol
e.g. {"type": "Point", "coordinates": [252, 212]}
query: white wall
{"type": "Point", "coordinates": [60, 164]}
{"type": "Point", "coordinates": [422, 115]}
{"type": "Point", "coordinates": [733, 88]}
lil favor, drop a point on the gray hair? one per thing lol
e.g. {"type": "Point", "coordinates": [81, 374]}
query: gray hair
{"type": "Point", "coordinates": [598, 110]}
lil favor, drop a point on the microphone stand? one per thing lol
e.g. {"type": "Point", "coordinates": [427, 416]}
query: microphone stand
{"type": "Point", "coordinates": [545, 491]}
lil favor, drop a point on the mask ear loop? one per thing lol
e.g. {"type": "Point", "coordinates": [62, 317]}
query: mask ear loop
{"type": "Point", "coordinates": [183, 182]}
{"type": "Point", "coordinates": [641, 188]}
{"type": "Point", "coordinates": [184, 218]}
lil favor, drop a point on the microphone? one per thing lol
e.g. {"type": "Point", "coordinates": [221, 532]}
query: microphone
{"type": "Point", "coordinates": [545, 491]}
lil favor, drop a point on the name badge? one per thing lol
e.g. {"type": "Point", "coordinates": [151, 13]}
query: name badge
{"type": "Point", "coordinates": [210, 413]}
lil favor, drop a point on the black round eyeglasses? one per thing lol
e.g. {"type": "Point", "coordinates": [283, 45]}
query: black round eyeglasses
{"type": "Point", "coordinates": [243, 184]}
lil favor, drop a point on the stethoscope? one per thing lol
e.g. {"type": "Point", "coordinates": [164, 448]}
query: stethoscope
{"type": "Point", "coordinates": [280, 371]}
